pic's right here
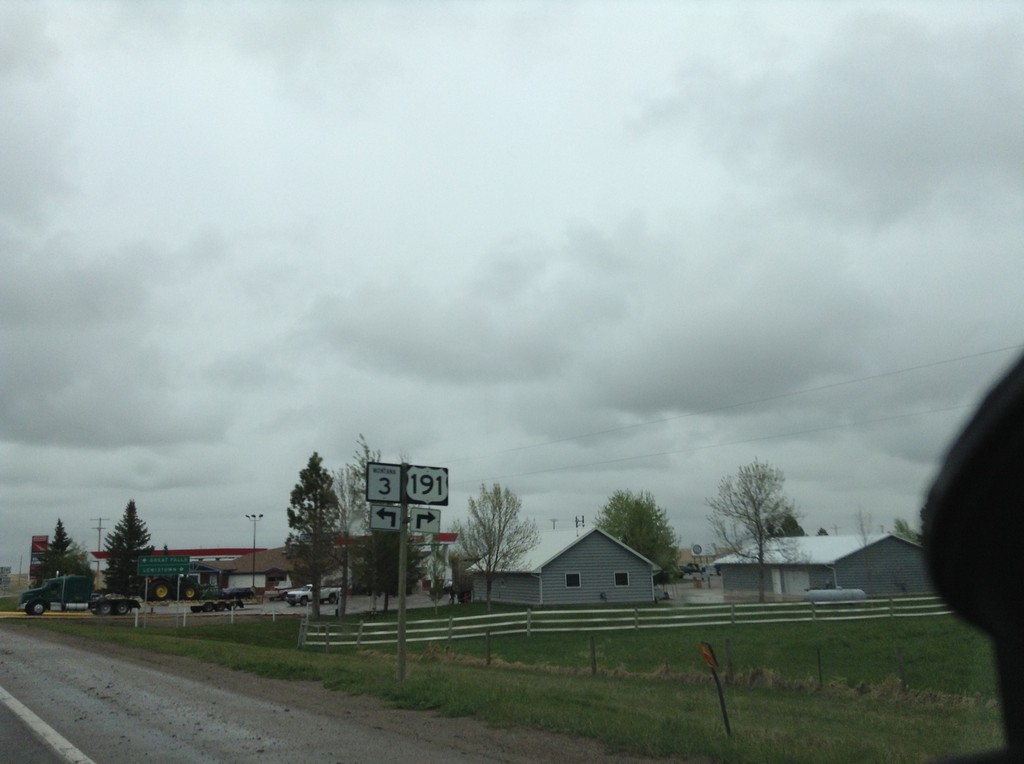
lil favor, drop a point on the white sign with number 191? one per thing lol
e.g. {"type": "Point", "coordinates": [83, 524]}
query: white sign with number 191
{"type": "Point", "coordinates": [427, 485]}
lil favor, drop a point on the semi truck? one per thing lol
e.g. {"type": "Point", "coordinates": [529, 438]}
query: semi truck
{"type": "Point", "coordinates": [71, 593]}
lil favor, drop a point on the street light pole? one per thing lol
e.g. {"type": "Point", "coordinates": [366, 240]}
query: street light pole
{"type": "Point", "coordinates": [255, 519]}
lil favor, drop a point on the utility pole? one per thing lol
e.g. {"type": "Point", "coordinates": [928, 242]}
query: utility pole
{"type": "Point", "coordinates": [255, 519]}
{"type": "Point", "coordinates": [99, 542]}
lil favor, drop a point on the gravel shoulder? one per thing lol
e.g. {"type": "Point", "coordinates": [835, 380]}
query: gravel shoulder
{"type": "Point", "coordinates": [467, 738]}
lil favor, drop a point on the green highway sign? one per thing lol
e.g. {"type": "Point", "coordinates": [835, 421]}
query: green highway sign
{"type": "Point", "coordinates": [163, 565]}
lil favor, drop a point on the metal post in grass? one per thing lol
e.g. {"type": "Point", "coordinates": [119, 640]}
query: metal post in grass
{"type": "Point", "coordinates": [708, 653]}
{"type": "Point", "coordinates": [593, 656]}
{"type": "Point", "coordinates": [899, 668]}
{"type": "Point", "coordinates": [403, 563]}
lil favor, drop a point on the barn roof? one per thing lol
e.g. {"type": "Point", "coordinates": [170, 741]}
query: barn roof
{"type": "Point", "coordinates": [810, 550]}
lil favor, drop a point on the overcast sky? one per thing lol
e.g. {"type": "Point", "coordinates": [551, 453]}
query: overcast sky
{"type": "Point", "coordinates": [568, 247]}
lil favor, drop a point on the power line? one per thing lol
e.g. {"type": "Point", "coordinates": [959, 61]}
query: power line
{"type": "Point", "coordinates": [694, 449]}
{"type": "Point", "coordinates": [727, 407]}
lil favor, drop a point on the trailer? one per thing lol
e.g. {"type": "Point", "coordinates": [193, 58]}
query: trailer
{"type": "Point", "coordinates": [75, 593]}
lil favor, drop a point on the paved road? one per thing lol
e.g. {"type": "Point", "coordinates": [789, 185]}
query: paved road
{"type": "Point", "coordinates": [120, 712]}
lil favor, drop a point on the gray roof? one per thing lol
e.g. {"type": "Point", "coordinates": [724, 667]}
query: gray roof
{"type": "Point", "coordinates": [554, 542]}
{"type": "Point", "coordinates": [809, 550]}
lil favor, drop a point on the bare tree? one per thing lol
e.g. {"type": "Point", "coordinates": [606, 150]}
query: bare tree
{"type": "Point", "coordinates": [748, 510]}
{"type": "Point", "coordinates": [494, 534]}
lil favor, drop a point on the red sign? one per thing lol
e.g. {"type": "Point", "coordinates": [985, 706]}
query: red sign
{"type": "Point", "coordinates": [708, 654]}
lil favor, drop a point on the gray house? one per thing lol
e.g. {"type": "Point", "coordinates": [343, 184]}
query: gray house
{"type": "Point", "coordinates": [882, 565]}
{"type": "Point", "coordinates": [566, 569]}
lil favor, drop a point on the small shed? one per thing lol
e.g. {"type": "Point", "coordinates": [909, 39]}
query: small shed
{"type": "Point", "coordinates": [883, 565]}
{"type": "Point", "coordinates": [569, 569]}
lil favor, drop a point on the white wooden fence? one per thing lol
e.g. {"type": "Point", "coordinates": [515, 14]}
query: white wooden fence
{"type": "Point", "coordinates": [327, 634]}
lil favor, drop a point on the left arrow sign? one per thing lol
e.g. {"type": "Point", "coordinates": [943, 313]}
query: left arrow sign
{"type": "Point", "coordinates": [383, 518]}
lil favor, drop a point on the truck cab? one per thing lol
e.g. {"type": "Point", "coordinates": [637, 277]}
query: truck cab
{"type": "Point", "coordinates": [59, 594]}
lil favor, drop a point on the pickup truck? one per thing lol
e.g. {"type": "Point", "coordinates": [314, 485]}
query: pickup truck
{"type": "Point", "coordinates": [303, 595]}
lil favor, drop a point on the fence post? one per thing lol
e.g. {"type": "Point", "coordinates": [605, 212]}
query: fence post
{"type": "Point", "coordinates": [529, 620]}
{"type": "Point", "coordinates": [892, 610]}
{"type": "Point", "coordinates": [899, 666]}
{"type": "Point", "coordinates": [636, 619]}
{"type": "Point", "coordinates": [327, 637]}
{"type": "Point", "coordinates": [732, 612]}
{"type": "Point", "coordinates": [487, 646]}
{"type": "Point", "coordinates": [359, 636]}
{"type": "Point", "coordinates": [450, 622]}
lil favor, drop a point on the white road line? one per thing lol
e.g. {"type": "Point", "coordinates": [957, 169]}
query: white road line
{"type": "Point", "coordinates": [44, 731]}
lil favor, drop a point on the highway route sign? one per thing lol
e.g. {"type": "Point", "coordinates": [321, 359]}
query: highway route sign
{"type": "Point", "coordinates": [383, 482]}
{"type": "Point", "coordinates": [427, 485]}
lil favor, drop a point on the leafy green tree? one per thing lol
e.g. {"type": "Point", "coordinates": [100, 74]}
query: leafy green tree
{"type": "Point", "coordinates": [901, 528]}
{"type": "Point", "coordinates": [495, 534]}
{"type": "Point", "coordinates": [638, 522]}
{"type": "Point", "coordinates": [748, 507]}
{"type": "Point", "coordinates": [124, 545]}
{"type": "Point", "coordinates": [314, 520]}
{"type": "Point", "coordinates": [436, 569]}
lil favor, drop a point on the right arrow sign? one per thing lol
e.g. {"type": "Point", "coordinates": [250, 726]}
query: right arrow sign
{"type": "Point", "coordinates": [424, 520]}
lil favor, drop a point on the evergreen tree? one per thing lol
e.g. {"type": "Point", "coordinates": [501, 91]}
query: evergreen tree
{"type": "Point", "coordinates": [53, 563]}
{"type": "Point", "coordinates": [315, 522]}
{"type": "Point", "coordinates": [124, 545]}
{"type": "Point", "coordinates": [63, 556]}
{"type": "Point", "coordinates": [376, 562]}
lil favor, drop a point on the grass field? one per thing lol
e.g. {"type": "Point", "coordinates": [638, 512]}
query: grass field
{"type": "Point", "coordinates": [652, 695]}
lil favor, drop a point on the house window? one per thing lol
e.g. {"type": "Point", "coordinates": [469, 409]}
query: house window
{"type": "Point", "coordinates": [622, 579]}
{"type": "Point", "coordinates": [572, 580]}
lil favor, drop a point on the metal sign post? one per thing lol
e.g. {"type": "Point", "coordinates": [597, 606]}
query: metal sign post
{"type": "Point", "coordinates": [403, 564]}
{"type": "Point", "coordinates": [405, 484]}
{"type": "Point", "coordinates": [708, 654]}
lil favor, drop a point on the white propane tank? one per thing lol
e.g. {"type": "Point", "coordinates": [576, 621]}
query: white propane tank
{"type": "Point", "coordinates": [835, 595]}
